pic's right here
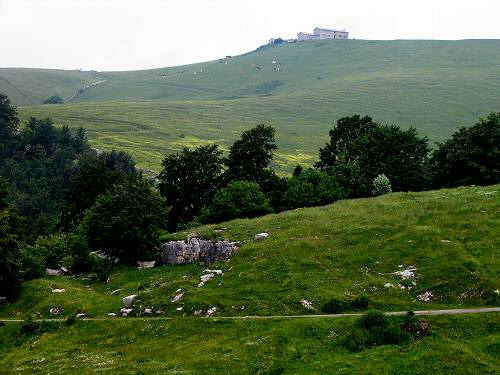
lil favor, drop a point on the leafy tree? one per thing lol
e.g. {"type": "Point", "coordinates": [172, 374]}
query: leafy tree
{"type": "Point", "coordinates": [378, 149]}
{"type": "Point", "coordinates": [10, 225]}
{"type": "Point", "coordinates": [471, 156]}
{"type": "Point", "coordinates": [350, 177]}
{"type": "Point", "coordinates": [189, 180]}
{"type": "Point", "coordinates": [126, 222]}
{"type": "Point", "coordinates": [91, 176]}
{"type": "Point", "coordinates": [237, 200]}
{"type": "Point", "coordinates": [312, 188]}
{"type": "Point", "coordinates": [251, 154]}
{"type": "Point", "coordinates": [9, 124]}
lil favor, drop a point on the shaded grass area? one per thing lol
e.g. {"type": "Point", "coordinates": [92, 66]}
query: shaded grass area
{"type": "Point", "coordinates": [346, 250]}
{"type": "Point", "coordinates": [457, 344]}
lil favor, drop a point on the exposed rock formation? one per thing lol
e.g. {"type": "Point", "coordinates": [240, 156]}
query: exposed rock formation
{"type": "Point", "coordinates": [178, 252]}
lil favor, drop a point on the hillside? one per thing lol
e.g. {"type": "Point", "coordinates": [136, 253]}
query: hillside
{"type": "Point", "coordinates": [345, 250]}
{"type": "Point", "coordinates": [434, 86]}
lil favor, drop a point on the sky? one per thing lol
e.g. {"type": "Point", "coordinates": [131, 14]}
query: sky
{"type": "Point", "coordinates": [142, 34]}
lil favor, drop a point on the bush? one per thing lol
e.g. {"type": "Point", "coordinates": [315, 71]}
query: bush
{"type": "Point", "coordinates": [374, 329]}
{"type": "Point", "coordinates": [101, 266]}
{"type": "Point", "coordinates": [240, 199]}
{"type": "Point", "coordinates": [360, 303]}
{"type": "Point", "coordinates": [381, 185]}
{"type": "Point", "coordinates": [335, 306]}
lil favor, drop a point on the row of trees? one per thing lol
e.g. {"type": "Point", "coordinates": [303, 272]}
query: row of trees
{"type": "Point", "coordinates": [60, 199]}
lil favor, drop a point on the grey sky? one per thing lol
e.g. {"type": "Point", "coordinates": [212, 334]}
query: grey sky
{"type": "Point", "coordinates": [133, 34]}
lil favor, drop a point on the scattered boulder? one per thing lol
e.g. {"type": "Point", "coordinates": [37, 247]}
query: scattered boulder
{"type": "Point", "coordinates": [207, 277]}
{"type": "Point", "coordinates": [198, 312]}
{"type": "Point", "coordinates": [148, 311]}
{"type": "Point", "coordinates": [177, 298]}
{"type": "Point", "coordinates": [425, 296]}
{"type": "Point", "coordinates": [52, 272]}
{"type": "Point", "coordinates": [307, 304]}
{"type": "Point", "coordinates": [80, 315]}
{"type": "Point", "coordinates": [129, 300]}
{"type": "Point", "coordinates": [116, 291]}
{"type": "Point", "coordinates": [111, 314]}
{"type": "Point", "coordinates": [217, 272]}
{"type": "Point", "coordinates": [200, 284]}
{"type": "Point", "coordinates": [57, 290]}
{"type": "Point", "coordinates": [211, 311]}
{"type": "Point", "coordinates": [179, 252]}
{"type": "Point", "coordinates": [261, 236]}
{"type": "Point", "coordinates": [55, 311]}
{"type": "Point", "coordinates": [389, 285]}
{"type": "Point", "coordinates": [145, 265]}
{"type": "Point", "coordinates": [126, 312]}
{"type": "Point", "coordinates": [408, 273]}
{"type": "Point", "coordinates": [180, 308]}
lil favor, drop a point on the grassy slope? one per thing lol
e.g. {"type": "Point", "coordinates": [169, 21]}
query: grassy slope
{"type": "Point", "coordinates": [33, 86]}
{"type": "Point", "coordinates": [435, 86]}
{"type": "Point", "coordinates": [346, 249]}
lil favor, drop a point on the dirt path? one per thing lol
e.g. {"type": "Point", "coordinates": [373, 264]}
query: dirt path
{"type": "Point", "coordinates": [479, 310]}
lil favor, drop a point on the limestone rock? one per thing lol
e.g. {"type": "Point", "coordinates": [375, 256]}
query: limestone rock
{"type": "Point", "coordinates": [207, 277]}
{"type": "Point", "coordinates": [177, 298]}
{"type": "Point", "coordinates": [129, 300]}
{"type": "Point", "coordinates": [179, 252]}
{"type": "Point", "coordinates": [145, 265]}
{"type": "Point", "coordinates": [261, 236]}
{"type": "Point", "coordinates": [126, 312]}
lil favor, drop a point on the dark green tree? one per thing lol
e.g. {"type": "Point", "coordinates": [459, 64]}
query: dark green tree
{"type": "Point", "coordinates": [189, 180]}
{"type": "Point", "coordinates": [377, 149]}
{"type": "Point", "coordinates": [471, 156]}
{"type": "Point", "coordinates": [126, 222]}
{"type": "Point", "coordinates": [92, 175]}
{"type": "Point", "coordinates": [251, 154]}
{"type": "Point", "coordinates": [9, 125]}
{"type": "Point", "coordinates": [54, 99]}
{"type": "Point", "coordinates": [239, 199]}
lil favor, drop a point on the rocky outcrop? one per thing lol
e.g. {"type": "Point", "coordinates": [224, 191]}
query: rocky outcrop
{"type": "Point", "coordinates": [179, 252]}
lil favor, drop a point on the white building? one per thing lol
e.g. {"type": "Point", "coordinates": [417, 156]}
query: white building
{"type": "Point", "coordinates": [320, 33]}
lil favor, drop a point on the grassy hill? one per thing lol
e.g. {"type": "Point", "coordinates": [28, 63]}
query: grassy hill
{"type": "Point", "coordinates": [344, 250]}
{"type": "Point", "coordinates": [434, 86]}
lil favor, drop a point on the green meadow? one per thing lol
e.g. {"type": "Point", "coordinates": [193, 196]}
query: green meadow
{"type": "Point", "coordinates": [435, 86]}
{"type": "Point", "coordinates": [345, 250]}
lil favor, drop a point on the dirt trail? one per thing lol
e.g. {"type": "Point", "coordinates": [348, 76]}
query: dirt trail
{"type": "Point", "coordinates": [479, 310]}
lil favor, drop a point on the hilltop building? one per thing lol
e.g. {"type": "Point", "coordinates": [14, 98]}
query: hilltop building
{"type": "Point", "coordinates": [319, 33]}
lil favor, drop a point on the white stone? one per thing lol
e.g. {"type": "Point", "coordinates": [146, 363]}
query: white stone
{"type": "Point", "coordinates": [211, 311]}
{"type": "Point", "coordinates": [111, 314]}
{"type": "Point", "coordinates": [180, 308]}
{"type": "Point", "coordinates": [198, 312]}
{"type": "Point", "coordinates": [261, 236]}
{"type": "Point", "coordinates": [145, 265]}
{"type": "Point", "coordinates": [307, 304]}
{"type": "Point", "coordinates": [407, 273]}
{"type": "Point", "coordinates": [125, 312]}
{"type": "Point", "coordinates": [207, 277]}
{"type": "Point", "coordinates": [116, 291]}
{"type": "Point", "coordinates": [388, 285]}
{"type": "Point", "coordinates": [56, 290]}
{"type": "Point", "coordinates": [177, 298]}
{"type": "Point", "coordinates": [201, 284]}
{"type": "Point", "coordinates": [80, 315]}
{"type": "Point", "coordinates": [129, 300]}
{"type": "Point", "coordinates": [55, 311]}
{"type": "Point", "coordinates": [218, 272]}
{"type": "Point", "coordinates": [52, 272]}
{"type": "Point", "coordinates": [425, 296]}
{"type": "Point", "coordinates": [148, 311]}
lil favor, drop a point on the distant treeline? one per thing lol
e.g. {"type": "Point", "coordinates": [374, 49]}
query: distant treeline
{"type": "Point", "coordinates": [64, 204]}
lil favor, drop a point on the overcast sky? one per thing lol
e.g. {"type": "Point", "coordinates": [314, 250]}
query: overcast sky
{"type": "Point", "coordinates": [138, 34]}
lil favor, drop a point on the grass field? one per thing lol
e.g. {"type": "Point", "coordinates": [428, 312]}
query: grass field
{"type": "Point", "coordinates": [435, 86]}
{"type": "Point", "coordinates": [457, 345]}
{"type": "Point", "coordinates": [345, 250]}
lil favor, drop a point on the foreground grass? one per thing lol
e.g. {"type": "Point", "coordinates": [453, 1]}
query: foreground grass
{"type": "Point", "coordinates": [457, 344]}
{"type": "Point", "coordinates": [345, 250]}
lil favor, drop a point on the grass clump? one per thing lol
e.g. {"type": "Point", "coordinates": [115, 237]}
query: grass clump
{"type": "Point", "coordinates": [337, 305]}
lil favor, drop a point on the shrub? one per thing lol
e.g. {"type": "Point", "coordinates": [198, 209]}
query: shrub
{"type": "Point", "coordinates": [360, 302]}
{"type": "Point", "coordinates": [101, 266]}
{"type": "Point", "coordinates": [381, 185]}
{"type": "Point", "coordinates": [54, 99]}
{"type": "Point", "coordinates": [335, 306]}
{"type": "Point", "coordinates": [237, 200]}
{"type": "Point", "coordinates": [373, 319]}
